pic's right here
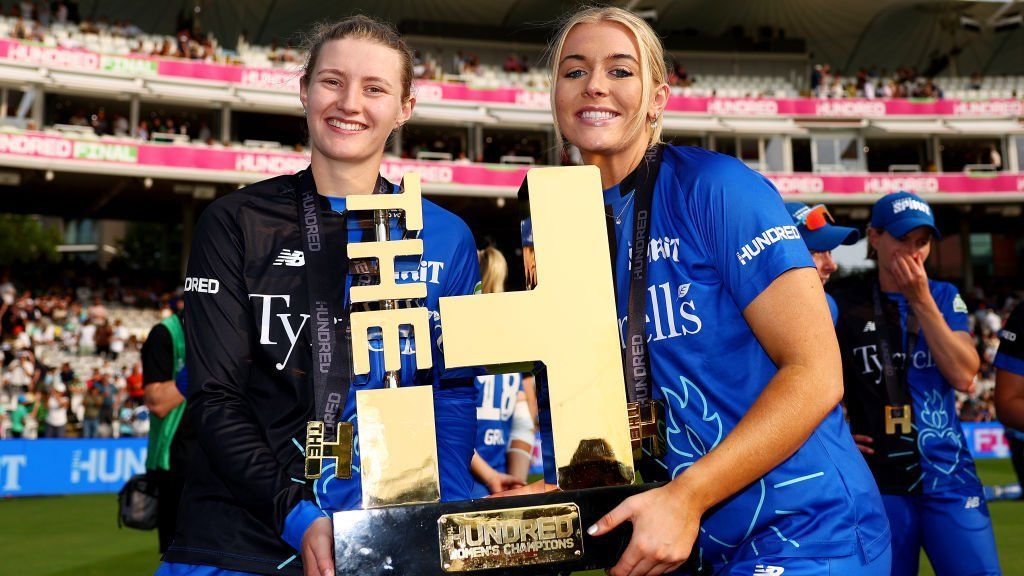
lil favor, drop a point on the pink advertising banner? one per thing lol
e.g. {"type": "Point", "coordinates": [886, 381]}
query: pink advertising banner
{"type": "Point", "coordinates": [282, 79]}
{"type": "Point", "coordinates": [184, 157]}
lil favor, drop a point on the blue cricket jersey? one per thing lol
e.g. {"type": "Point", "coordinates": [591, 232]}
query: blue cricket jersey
{"type": "Point", "coordinates": [946, 461]}
{"type": "Point", "coordinates": [1010, 355]}
{"type": "Point", "coordinates": [496, 402]}
{"type": "Point", "coordinates": [719, 236]}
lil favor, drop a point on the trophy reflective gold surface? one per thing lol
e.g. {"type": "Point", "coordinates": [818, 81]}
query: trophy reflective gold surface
{"type": "Point", "coordinates": [568, 323]}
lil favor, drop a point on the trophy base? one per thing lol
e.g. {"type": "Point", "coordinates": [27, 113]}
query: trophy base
{"type": "Point", "coordinates": [516, 535]}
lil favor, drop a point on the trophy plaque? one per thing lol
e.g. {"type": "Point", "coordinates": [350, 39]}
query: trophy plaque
{"type": "Point", "coordinates": [568, 323]}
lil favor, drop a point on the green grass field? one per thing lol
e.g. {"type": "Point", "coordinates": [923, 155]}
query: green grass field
{"type": "Point", "coordinates": [78, 535]}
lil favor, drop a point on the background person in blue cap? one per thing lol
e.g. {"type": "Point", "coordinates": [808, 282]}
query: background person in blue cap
{"type": "Point", "coordinates": [822, 237]}
{"type": "Point", "coordinates": [906, 348]}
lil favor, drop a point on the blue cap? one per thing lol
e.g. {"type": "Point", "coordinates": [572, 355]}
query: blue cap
{"type": "Point", "coordinates": [901, 212]}
{"type": "Point", "coordinates": [825, 238]}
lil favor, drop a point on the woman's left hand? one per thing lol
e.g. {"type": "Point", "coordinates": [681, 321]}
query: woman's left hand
{"type": "Point", "coordinates": [665, 523]}
{"type": "Point", "coordinates": [501, 482]}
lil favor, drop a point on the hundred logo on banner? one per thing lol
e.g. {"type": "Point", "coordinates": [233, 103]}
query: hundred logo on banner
{"type": "Point", "coordinates": [69, 466]}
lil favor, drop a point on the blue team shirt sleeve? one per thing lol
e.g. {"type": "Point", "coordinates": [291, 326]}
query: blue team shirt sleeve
{"type": "Point", "coordinates": [833, 310]}
{"type": "Point", "coordinates": [953, 308]}
{"type": "Point", "coordinates": [1010, 356]}
{"type": "Point", "coordinates": [749, 235]}
{"type": "Point", "coordinates": [298, 520]}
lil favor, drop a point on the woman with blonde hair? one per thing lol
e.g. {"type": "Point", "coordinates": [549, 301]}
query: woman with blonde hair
{"type": "Point", "coordinates": [505, 428]}
{"type": "Point", "coordinates": [765, 477]}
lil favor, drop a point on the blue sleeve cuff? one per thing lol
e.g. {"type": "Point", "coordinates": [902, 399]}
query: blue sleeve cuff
{"type": "Point", "coordinates": [1009, 363]}
{"type": "Point", "coordinates": [298, 520]}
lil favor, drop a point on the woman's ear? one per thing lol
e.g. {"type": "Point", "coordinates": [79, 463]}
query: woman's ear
{"type": "Point", "coordinates": [304, 97]}
{"type": "Point", "coordinates": [406, 112]}
{"type": "Point", "coordinates": [658, 102]}
{"type": "Point", "coordinates": [873, 237]}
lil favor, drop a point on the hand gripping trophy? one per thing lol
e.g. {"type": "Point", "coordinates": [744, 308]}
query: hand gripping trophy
{"type": "Point", "coordinates": [566, 324]}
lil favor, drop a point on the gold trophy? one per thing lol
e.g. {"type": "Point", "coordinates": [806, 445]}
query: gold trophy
{"type": "Point", "coordinates": [568, 322]}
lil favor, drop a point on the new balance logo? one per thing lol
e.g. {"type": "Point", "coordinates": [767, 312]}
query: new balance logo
{"type": "Point", "coordinates": [760, 570]}
{"type": "Point", "coordinates": [972, 502]}
{"type": "Point", "coordinates": [870, 326]}
{"type": "Point", "coordinates": [290, 258]}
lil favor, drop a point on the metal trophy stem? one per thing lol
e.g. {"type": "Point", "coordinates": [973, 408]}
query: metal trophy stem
{"type": "Point", "coordinates": [392, 378]}
{"type": "Point", "coordinates": [397, 436]}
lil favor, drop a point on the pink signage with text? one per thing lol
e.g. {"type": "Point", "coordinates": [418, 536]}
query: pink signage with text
{"type": "Point", "coordinates": [287, 80]}
{"type": "Point", "coordinates": [115, 151]}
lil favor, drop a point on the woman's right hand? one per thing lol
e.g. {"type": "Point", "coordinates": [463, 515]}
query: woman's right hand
{"type": "Point", "coordinates": [863, 443]}
{"type": "Point", "coordinates": [318, 548]}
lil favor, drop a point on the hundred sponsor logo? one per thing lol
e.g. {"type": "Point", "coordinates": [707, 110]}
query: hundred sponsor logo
{"type": "Point", "coordinates": [512, 536]}
{"type": "Point", "coordinates": [889, 185]}
{"type": "Point", "coordinates": [53, 57]}
{"type": "Point", "coordinates": [990, 108]}
{"type": "Point", "coordinates": [849, 108]}
{"type": "Point", "coordinates": [439, 174]}
{"type": "Point", "coordinates": [429, 93]}
{"type": "Point", "coordinates": [28, 145]}
{"type": "Point", "coordinates": [770, 236]}
{"type": "Point", "coordinates": [743, 107]}
{"type": "Point", "coordinates": [275, 79]}
{"type": "Point", "coordinates": [533, 99]}
{"type": "Point", "coordinates": [798, 184]}
{"type": "Point", "coordinates": [270, 163]}
{"type": "Point", "coordinates": [205, 285]}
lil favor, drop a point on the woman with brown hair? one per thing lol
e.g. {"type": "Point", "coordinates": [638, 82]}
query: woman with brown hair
{"type": "Point", "coordinates": [261, 257]}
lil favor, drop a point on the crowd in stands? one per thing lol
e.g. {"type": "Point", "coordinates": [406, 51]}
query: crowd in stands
{"type": "Point", "coordinates": [908, 82]}
{"type": "Point", "coordinates": [59, 24]}
{"type": "Point", "coordinates": [35, 21]}
{"type": "Point", "coordinates": [69, 360]}
{"type": "Point", "coordinates": [904, 82]}
{"type": "Point", "coordinates": [989, 317]}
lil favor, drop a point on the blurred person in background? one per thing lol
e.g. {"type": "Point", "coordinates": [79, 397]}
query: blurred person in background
{"type": "Point", "coordinates": [133, 384]}
{"type": "Point", "coordinates": [906, 351]}
{"type": "Point", "coordinates": [118, 340]}
{"type": "Point", "coordinates": [163, 359]}
{"type": "Point", "coordinates": [56, 414]}
{"type": "Point", "coordinates": [103, 336]}
{"type": "Point", "coordinates": [822, 236]}
{"type": "Point", "coordinates": [26, 411]}
{"type": "Point", "coordinates": [504, 434]}
{"type": "Point", "coordinates": [1009, 393]}
{"type": "Point", "coordinates": [91, 404]}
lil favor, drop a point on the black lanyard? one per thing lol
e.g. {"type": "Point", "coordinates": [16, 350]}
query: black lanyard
{"type": "Point", "coordinates": [895, 388]}
{"type": "Point", "coordinates": [329, 340]}
{"type": "Point", "coordinates": [637, 361]}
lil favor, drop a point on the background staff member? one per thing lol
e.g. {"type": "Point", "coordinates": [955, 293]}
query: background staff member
{"type": "Point", "coordinates": [905, 342]}
{"type": "Point", "coordinates": [1009, 365]}
{"type": "Point", "coordinates": [163, 357]}
{"type": "Point", "coordinates": [821, 239]}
